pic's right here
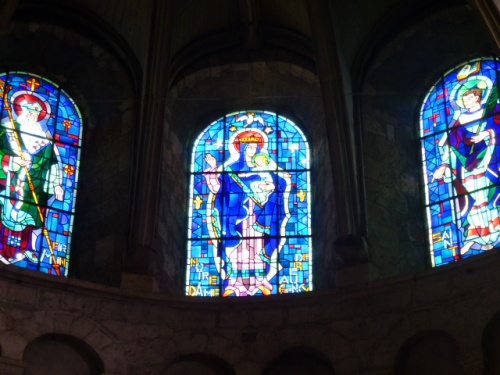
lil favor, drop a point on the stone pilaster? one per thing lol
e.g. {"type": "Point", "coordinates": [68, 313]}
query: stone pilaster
{"type": "Point", "coordinates": [148, 149]}
{"type": "Point", "coordinates": [340, 132]}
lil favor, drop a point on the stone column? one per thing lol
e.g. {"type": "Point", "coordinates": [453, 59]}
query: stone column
{"type": "Point", "coordinates": [351, 261]}
{"type": "Point", "coordinates": [147, 154]}
{"type": "Point", "coordinates": [342, 142]}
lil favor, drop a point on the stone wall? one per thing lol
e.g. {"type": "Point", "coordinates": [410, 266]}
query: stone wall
{"type": "Point", "coordinates": [360, 330]}
{"type": "Point", "coordinates": [207, 95]}
{"type": "Point", "coordinates": [395, 86]}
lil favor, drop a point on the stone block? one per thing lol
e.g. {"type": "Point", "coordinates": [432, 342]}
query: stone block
{"type": "Point", "coordinates": [114, 309]}
{"type": "Point", "coordinates": [11, 366]}
{"type": "Point", "coordinates": [23, 294]}
{"type": "Point", "coordinates": [50, 299]}
{"type": "Point", "coordinates": [353, 276]}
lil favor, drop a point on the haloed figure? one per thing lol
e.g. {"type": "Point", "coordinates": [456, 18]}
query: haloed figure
{"type": "Point", "coordinates": [30, 176]}
{"type": "Point", "coordinates": [249, 210]}
{"type": "Point", "coordinates": [470, 160]}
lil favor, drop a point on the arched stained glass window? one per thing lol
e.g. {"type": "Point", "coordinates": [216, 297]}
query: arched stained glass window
{"type": "Point", "coordinates": [249, 208]}
{"type": "Point", "coordinates": [460, 135]}
{"type": "Point", "coordinates": [40, 139]}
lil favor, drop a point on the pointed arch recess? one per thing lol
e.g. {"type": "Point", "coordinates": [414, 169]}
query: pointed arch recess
{"type": "Point", "coordinates": [40, 142]}
{"type": "Point", "coordinates": [460, 135]}
{"type": "Point", "coordinates": [249, 230]}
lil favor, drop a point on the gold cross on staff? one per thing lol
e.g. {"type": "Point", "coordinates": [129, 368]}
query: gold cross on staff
{"type": "Point", "coordinates": [197, 202]}
{"type": "Point", "coordinates": [302, 195]}
{"type": "Point", "coordinates": [17, 141]}
{"type": "Point", "coordinates": [33, 83]}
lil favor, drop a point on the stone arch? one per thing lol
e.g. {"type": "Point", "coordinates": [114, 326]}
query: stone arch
{"type": "Point", "coordinates": [393, 89]}
{"type": "Point", "coordinates": [61, 354]}
{"type": "Point", "coordinates": [108, 104]}
{"type": "Point", "coordinates": [95, 336]}
{"type": "Point", "coordinates": [210, 93]}
{"type": "Point", "coordinates": [220, 41]}
{"type": "Point", "coordinates": [300, 361]}
{"type": "Point", "coordinates": [83, 21]}
{"type": "Point", "coordinates": [429, 353]}
{"type": "Point", "coordinates": [393, 23]}
{"type": "Point", "coordinates": [12, 344]}
{"type": "Point", "coordinates": [199, 364]}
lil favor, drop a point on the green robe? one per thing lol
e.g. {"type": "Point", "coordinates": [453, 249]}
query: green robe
{"type": "Point", "coordinates": [20, 210]}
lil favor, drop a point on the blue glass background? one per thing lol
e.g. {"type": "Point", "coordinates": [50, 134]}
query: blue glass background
{"type": "Point", "coordinates": [288, 147]}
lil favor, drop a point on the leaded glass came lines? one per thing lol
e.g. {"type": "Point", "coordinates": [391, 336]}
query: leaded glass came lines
{"type": "Point", "coordinates": [460, 129]}
{"type": "Point", "coordinates": [40, 140]}
{"type": "Point", "coordinates": [249, 229]}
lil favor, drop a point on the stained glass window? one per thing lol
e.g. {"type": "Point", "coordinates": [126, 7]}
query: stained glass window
{"type": "Point", "coordinates": [249, 230]}
{"type": "Point", "coordinates": [40, 139]}
{"type": "Point", "coordinates": [460, 132]}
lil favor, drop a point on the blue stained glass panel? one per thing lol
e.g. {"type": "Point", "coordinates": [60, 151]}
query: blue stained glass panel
{"type": "Point", "coordinates": [459, 125]}
{"type": "Point", "coordinates": [40, 140]}
{"type": "Point", "coordinates": [295, 274]}
{"type": "Point", "coordinates": [249, 208]}
{"type": "Point", "coordinates": [204, 277]}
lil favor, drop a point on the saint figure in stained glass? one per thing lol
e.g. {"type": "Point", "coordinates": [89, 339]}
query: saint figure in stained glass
{"type": "Point", "coordinates": [249, 210]}
{"type": "Point", "coordinates": [249, 230]}
{"type": "Point", "coordinates": [38, 175]}
{"type": "Point", "coordinates": [31, 173]}
{"type": "Point", "coordinates": [463, 162]}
